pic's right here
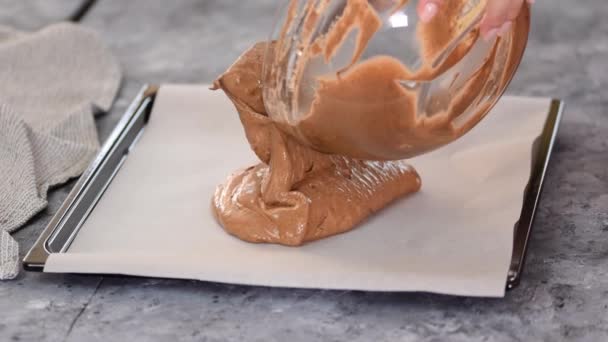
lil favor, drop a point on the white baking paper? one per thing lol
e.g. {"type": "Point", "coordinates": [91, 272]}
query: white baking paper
{"type": "Point", "coordinates": [454, 237]}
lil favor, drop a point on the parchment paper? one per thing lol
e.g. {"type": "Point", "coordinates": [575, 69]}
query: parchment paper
{"type": "Point", "coordinates": [454, 237]}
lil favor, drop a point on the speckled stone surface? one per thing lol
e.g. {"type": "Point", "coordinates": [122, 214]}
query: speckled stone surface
{"type": "Point", "coordinates": [34, 14]}
{"type": "Point", "coordinates": [563, 297]}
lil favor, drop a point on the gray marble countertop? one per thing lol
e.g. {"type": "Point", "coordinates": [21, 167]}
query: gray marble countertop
{"type": "Point", "coordinates": [564, 295]}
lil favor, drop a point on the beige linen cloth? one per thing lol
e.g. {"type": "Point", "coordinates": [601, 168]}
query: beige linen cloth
{"type": "Point", "coordinates": [52, 82]}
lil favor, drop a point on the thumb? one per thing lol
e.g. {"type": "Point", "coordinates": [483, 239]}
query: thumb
{"type": "Point", "coordinates": [427, 9]}
{"type": "Point", "coordinates": [499, 17]}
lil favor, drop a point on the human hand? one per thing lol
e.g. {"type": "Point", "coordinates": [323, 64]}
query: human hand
{"type": "Point", "coordinates": [498, 18]}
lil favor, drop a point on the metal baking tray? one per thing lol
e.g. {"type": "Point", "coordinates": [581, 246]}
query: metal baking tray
{"type": "Point", "coordinates": [65, 225]}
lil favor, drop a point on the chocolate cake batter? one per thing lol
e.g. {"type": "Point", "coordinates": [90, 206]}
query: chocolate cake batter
{"type": "Point", "coordinates": [317, 177]}
{"type": "Point", "coordinates": [296, 194]}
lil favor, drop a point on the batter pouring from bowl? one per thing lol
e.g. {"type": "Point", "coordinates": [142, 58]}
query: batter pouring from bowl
{"type": "Point", "coordinates": [340, 162]}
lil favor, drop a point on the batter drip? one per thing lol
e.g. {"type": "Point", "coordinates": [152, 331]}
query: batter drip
{"type": "Point", "coordinates": [296, 194]}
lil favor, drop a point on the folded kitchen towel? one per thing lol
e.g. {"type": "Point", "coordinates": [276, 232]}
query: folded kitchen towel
{"type": "Point", "coordinates": [52, 83]}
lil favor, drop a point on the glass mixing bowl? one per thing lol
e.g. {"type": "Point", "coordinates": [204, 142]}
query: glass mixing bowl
{"type": "Point", "coordinates": [368, 79]}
